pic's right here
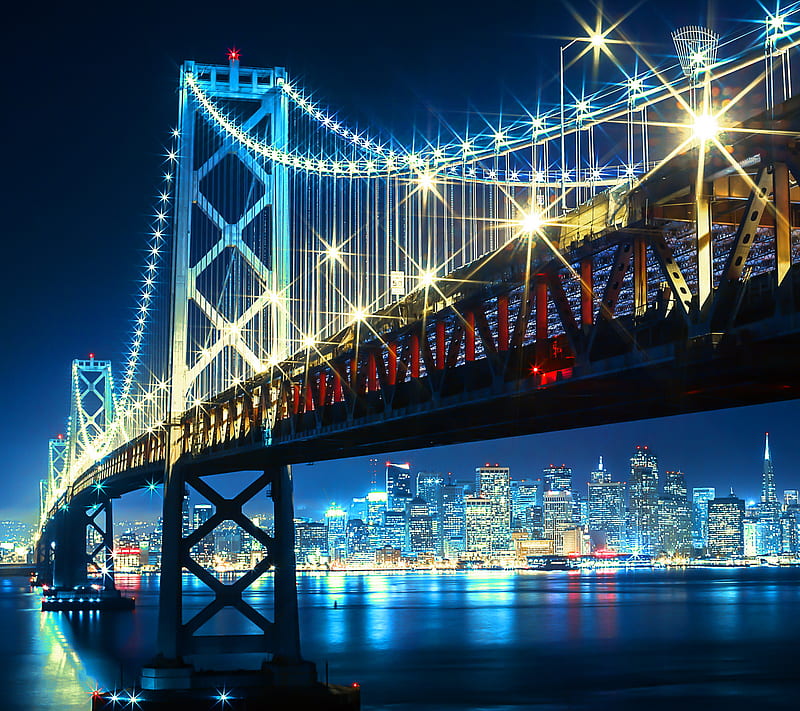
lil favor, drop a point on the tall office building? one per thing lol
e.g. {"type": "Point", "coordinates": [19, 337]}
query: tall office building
{"type": "Point", "coordinates": [479, 515]}
{"type": "Point", "coordinates": [376, 507]}
{"type": "Point", "coordinates": [674, 517]}
{"type": "Point", "coordinates": [557, 478]}
{"type": "Point", "coordinates": [768, 492]}
{"type": "Point", "coordinates": [525, 494]}
{"type": "Point", "coordinates": [557, 517]}
{"type": "Point", "coordinates": [494, 484]}
{"type": "Point", "coordinates": [398, 486]}
{"type": "Point", "coordinates": [420, 527]}
{"type": "Point", "coordinates": [790, 497]}
{"type": "Point", "coordinates": [643, 489]}
{"type": "Point", "coordinates": [606, 512]}
{"type": "Point", "coordinates": [430, 487]}
{"type": "Point", "coordinates": [336, 521]}
{"type": "Point", "coordinates": [395, 529]}
{"type": "Point", "coordinates": [311, 541]}
{"type": "Point", "coordinates": [700, 498]}
{"type": "Point", "coordinates": [452, 519]}
{"type": "Point", "coordinates": [601, 475]}
{"type": "Point", "coordinates": [358, 548]}
{"type": "Point", "coordinates": [203, 550]}
{"type": "Point", "coordinates": [768, 532]}
{"type": "Point", "coordinates": [726, 527]}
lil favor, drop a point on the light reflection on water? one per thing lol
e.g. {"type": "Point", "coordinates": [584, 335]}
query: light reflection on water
{"type": "Point", "coordinates": [466, 640]}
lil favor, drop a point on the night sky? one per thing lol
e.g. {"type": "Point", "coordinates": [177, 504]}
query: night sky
{"type": "Point", "coordinates": [90, 98]}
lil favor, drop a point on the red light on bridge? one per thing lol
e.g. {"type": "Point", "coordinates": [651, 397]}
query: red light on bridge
{"type": "Point", "coordinates": [234, 55]}
{"type": "Point", "coordinates": [91, 355]}
{"type": "Point", "coordinates": [60, 436]}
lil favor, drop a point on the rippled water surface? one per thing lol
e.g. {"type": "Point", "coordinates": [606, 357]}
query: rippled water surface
{"type": "Point", "coordinates": [463, 641]}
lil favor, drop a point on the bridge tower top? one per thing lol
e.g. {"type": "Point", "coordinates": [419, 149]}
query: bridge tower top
{"type": "Point", "coordinates": [231, 258]}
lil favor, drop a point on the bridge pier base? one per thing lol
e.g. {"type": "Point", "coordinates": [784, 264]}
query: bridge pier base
{"type": "Point", "coordinates": [185, 673]}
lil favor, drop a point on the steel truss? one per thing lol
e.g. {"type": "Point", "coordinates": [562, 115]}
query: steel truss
{"type": "Point", "coordinates": [279, 637]}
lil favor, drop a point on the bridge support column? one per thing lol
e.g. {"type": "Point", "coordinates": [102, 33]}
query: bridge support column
{"type": "Point", "coordinates": [275, 659]}
{"type": "Point", "coordinates": [69, 553]}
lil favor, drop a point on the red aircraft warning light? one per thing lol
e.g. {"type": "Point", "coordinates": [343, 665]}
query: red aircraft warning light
{"type": "Point", "coordinates": [234, 55]}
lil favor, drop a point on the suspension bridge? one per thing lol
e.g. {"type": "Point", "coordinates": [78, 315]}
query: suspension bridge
{"type": "Point", "coordinates": [333, 292]}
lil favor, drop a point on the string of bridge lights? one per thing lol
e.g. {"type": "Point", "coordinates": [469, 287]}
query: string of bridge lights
{"type": "Point", "coordinates": [454, 160]}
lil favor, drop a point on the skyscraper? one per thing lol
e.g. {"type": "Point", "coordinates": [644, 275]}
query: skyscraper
{"type": "Point", "coordinates": [203, 550]}
{"type": "Point", "coordinates": [479, 514]}
{"type": "Point", "coordinates": [420, 527]}
{"type": "Point", "coordinates": [430, 486]}
{"type": "Point", "coordinates": [525, 494]}
{"type": "Point", "coordinates": [674, 518]}
{"type": "Point", "coordinates": [557, 517]}
{"type": "Point", "coordinates": [494, 484]}
{"type": "Point", "coordinates": [601, 475]}
{"type": "Point", "coordinates": [452, 519]}
{"type": "Point", "coordinates": [644, 500]}
{"type": "Point", "coordinates": [557, 478]}
{"type": "Point", "coordinates": [726, 527]}
{"type": "Point", "coordinates": [358, 548]}
{"type": "Point", "coordinates": [768, 493]}
{"type": "Point", "coordinates": [768, 531]}
{"type": "Point", "coordinates": [336, 520]}
{"type": "Point", "coordinates": [398, 486]}
{"type": "Point", "coordinates": [607, 508]}
{"type": "Point", "coordinates": [700, 498]}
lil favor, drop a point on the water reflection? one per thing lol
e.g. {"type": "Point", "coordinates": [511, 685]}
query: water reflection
{"type": "Point", "coordinates": [468, 639]}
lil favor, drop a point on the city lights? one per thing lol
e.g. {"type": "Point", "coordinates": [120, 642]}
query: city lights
{"type": "Point", "coordinates": [531, 222]}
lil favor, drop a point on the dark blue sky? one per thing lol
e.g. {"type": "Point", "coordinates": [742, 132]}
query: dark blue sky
{"type": "Point", "coordinates": [90, 98]}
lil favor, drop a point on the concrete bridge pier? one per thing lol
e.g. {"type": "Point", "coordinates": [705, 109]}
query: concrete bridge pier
{"type": "Point", "coordinates": [69, 549]}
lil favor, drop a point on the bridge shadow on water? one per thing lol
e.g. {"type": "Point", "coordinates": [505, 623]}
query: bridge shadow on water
{"type": "Point", "coordinates": [699, 639]}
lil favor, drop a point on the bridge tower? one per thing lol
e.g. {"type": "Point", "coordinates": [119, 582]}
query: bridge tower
{"type": "Point", "coordinates": [79, 538]}
{"type": "Point", "coordinates": [230, 276]}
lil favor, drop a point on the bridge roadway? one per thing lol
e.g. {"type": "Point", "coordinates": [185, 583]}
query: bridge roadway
{"type": "Point", "coordinates": [474, 357]}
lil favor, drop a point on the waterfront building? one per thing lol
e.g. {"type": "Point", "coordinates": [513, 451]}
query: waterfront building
{"type": "Point", "coordinates": [644, 500]}
{"type": "Point", "coordinates": [388, 556]}
{"type": "Point", "coordinates": [557, 478]}
{"type": "Point", "coordinates": [336, 521]}
{"type": "Point", "coordinates": [790, 530]}
{"type": "Point", "coordinates": [525, 494]}
{"type": "Point", "coordinates": [674, 518]}
{"type": "Point", "coordinates": [494, 484]}
{"type": "Point", "coordinates": [700, 498]}
{"type": "Point", "coordinates": [398, 486]}
{"type": "Point", "coordinates": [311, 542]}
{"type": "Point", "coordinates": [557, 517]}
{"type": "Point", "coordinates": [395, 529]}
{"type": "Point", "coordinates": [420, 527]}
{"type": "Point", "coordinates": [606, 508]}
{"type": "Point", "coordinates": [574, 541]}
{"type": "Point", "coordinates": [358, 548]}
{"type": "Point", "coordinates": [452, 519]}
{"type": "Point", "coordinates": [203, 551]}
{"type": "Point", "coordinates": [750, 533]}
{"type": "Point", "coordinates": [479, 515]}
{"type": "Point", "coordinates": [726, 527]}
